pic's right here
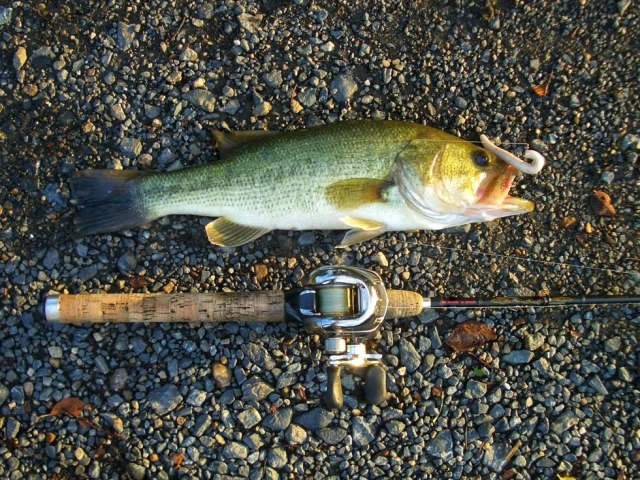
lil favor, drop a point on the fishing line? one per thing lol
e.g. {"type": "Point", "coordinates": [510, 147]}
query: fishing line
{"type": "Point", "coordinates": [532, 260]}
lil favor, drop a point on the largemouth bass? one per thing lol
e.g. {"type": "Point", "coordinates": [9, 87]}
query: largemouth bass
{"type": "Point", "coordinates": [367, 176]}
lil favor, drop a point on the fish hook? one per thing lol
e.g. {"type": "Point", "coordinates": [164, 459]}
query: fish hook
{"type": "Point", "coordinates": [537, 159]}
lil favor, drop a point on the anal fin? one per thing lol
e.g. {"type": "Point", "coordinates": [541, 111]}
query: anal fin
{"type": "Point", "coordinates": [225, 233]}
{"type": "Point", "coordinates": [357, 236]}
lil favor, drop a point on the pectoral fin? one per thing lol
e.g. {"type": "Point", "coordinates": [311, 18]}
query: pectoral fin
{"type": "Point", "coordinates": [355, 192]}
{"type": "Point", "coordinates": [227, 141]}
{"type": "Point", "coordinates": [357, 236]}
{"type": "Point", "coordinates": [225, 233]}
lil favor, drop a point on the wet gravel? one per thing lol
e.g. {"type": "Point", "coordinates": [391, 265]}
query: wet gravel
{"type": "Point", "coordinates": [108, 84]}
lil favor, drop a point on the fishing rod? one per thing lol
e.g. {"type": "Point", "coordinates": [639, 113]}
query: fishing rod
{"type": "Point", "coordinates": [345, 305]}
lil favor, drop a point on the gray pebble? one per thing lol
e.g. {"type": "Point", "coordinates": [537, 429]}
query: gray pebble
{"type": "Point", "coordinates": [201, 424]}
{"type": "Point", "coordinates": [475, 389]}
{"type": "Point", "coordinates": [202, 98]}
{"type": "Point", "coordinates": [277, 458]}
{"type": "Point", "coordinates": [119, 379]}
{"type": "Point", "coordinates": [254, 390]}
{"type": "Point", "coordinates": [362, 431]}
{"type": "Point", "coordinates": [126, 34]}
{"type": "Point", "coordinates": [315, 419]}
{"type": "Point", "coordinates": [88, 273]}
{"type": "Point", "coordinates": [101, 364]}
{"type": "Point", "coordinates": [196, 397]}
{"type": "Point", "coordinates": [273, 78]}
{"type": "Point", "coordinates": [518, 357]}
{"type": "Point", "coordinates": [496, 456]}
{"type": "Point", "coordinates": [164, 399]}
{"type": "Point", "coordinates": [630, 142]}
{"type": "Point", "coordinates": [343, 88]}
{"type": "Point", "coordinates": [612, 344]}
{"type": "Point", "coordinates": [332, 435]}
{"type": "Point", "coordinates": [51, 259]}
{"type": "Point", "coordinates": [5, 15]}
{"type": "Point", "coordinates": [534, 341]}
{"type": "Point", "coordinates": [235, 450]}
{"type": "Point", "coordinates": [461, 103]}
{"type": "Point", "coordinates": [43, 57]}
{"type": "Point", "coordinates": [127, 263]}
{"type": "Point", "coordinates": [136, 471]}
{"type": "Point", "coordinates": [307, 97]}
{"type": "Point", "coordinates": [260, 356]}
{"type": "Point", "coordinates": [295, 435]}
{"type": "Point", "coordinates": [152, 111]}
{"type": "Point", "coordinates": [188, 55]}
{"type": "Point", "coordinates": [607, 177]}
{"type": "Point", "coordinates": [597, 385]}
{"type": "Point", "coordinates": [117, 112]}
{"type": "Point", "coordinates": [307, 238]}
{"type": "Point", "coordinates": [279, 420]}
{"type": "Point", "coordinates": [130, 147]}
{"type": "Point", "coordinates": [409, 357]}
{"type": "Point", "coordinates": [55, 351]}
{"type": "Point", "coordinates": [249, 417]}
{"type": "Point", "coordinates": [260, 106]}
{"type": "Point", "coordinates": [12, 427]}
{"type": "Point", "coordinates": [441, 446]}
{"type": "Point", "coordinates": [564, 422]}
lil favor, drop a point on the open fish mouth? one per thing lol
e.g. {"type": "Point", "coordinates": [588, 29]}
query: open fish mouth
{"type": "Point", "coordinates": [494, 199]}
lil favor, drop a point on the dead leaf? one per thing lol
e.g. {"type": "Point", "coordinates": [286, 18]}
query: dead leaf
{"type": "Point", "coordinates": [177, 461]}
{"type": "Point", "coordinates": [437, 391]}
{"type": "Point", "coordinates": [543, 89]}
{"type": "Point", "coordinates": [137, 282]}
{"type": "Point", "coordinates": [68, 406]}
{"type": "Point", "coordinates": [100, 452]}
{"type": "Point", "coordinates": [601, 204]}
{"type": "Point", "coordinates": [582, 239]}
{"type": "Point", "coordinates": [470, 335]}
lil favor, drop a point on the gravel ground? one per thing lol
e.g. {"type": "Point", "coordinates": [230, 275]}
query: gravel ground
{"type": "Point", "coordinates": [140, 84]}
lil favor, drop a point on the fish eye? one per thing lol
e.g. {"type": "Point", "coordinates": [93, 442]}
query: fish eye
{"type": "Point", "coordinates": [481, 159]}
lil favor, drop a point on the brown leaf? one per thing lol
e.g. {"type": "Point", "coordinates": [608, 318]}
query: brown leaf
{"type": "Point", "coordinates": [68, 406]}
{"type": "Point", "coordinates": [137, 282]}
{"type": "Point", "coordinates": [582, 239]}
{"type": "Point", "coordinates": [542, 89]}
{"type": "Point", "coordinates": [178, 460]}
{"type": "Point", "coordinates": [601, 204]}
{"type": "Point", "coordinates": [470, 335]}
{"type": "Point", "coordinates": [100, 452]}
{"type": "Point", "coordinates": [437, 391]}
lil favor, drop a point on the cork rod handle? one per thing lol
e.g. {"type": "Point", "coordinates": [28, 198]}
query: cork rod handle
{"type": "Point", "coordinates": [403, 303]}
{"type": "Point", "coordinates": [263, 306]}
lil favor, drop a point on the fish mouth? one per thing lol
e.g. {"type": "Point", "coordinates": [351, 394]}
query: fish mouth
{"type": "Point", "coordinates": [494, 199]}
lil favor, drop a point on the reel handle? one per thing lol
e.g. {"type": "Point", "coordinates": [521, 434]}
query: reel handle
{"type": "Point", "coordinates": [262, 306]}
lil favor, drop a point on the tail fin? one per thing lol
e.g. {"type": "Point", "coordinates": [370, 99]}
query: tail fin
{"type": "Point", "coordinates": [108, 200]}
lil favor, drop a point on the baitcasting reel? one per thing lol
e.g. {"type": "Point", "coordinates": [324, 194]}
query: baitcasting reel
{"type": "Point", "coordinates": [347, 306]}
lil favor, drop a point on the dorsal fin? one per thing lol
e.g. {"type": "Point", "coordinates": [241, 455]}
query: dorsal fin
{"type": "Point", "coordinates": [227, 141]}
